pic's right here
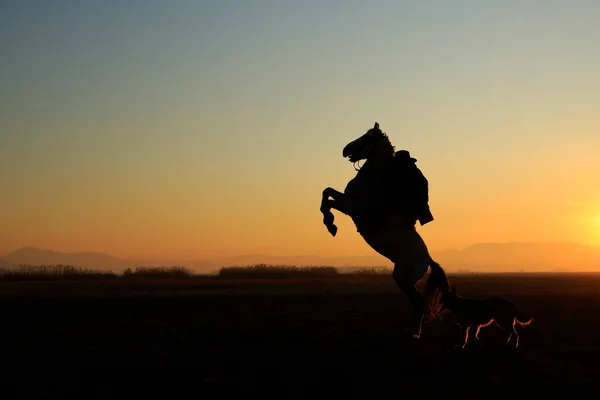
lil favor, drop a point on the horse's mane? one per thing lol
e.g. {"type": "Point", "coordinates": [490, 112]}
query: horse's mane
{"type": "Point", "coordinates": [387, 138]}
{"type": "Point", "coordinates": [387, 143]}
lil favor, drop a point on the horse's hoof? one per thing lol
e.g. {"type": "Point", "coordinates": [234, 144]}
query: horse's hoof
{"type": "Point", "coordinates": [332, 229]}
{"type": "Point", "coordinates": [411, 333]}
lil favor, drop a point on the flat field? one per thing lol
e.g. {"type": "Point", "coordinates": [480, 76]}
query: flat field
{"type": "Point", "coordinates": [291, 338]}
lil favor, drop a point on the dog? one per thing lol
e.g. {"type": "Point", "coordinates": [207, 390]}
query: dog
{"type": "Point", "coordinates": [480, 313]}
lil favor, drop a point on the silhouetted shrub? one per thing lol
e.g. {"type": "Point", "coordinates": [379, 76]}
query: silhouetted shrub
{"type": "Point", "coordinates": [52, 272]}
{"type": "Point", "coordinates": [370, 271]}
{"type": "Point", "coordinates": [264, 271]}
{"type": "Point", "coordinates": [158, 272]}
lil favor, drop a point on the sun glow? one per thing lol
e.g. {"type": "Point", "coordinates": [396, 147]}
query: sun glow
{"type": "Point", "coordinates": [595, 229]}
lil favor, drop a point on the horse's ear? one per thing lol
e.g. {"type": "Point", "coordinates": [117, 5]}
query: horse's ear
{"type": "Point", "coordinates": [376, 125]}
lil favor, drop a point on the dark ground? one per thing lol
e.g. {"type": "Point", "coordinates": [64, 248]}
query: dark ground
{"type": "Point", "coordinates": [320, 338]}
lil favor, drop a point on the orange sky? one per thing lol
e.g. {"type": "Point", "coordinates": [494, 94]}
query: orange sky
{"type": "Point", "coordinates": [200, 131]}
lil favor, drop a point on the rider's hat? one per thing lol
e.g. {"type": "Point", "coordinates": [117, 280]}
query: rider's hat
{"type": "Point", "coordinates": [404, 155]}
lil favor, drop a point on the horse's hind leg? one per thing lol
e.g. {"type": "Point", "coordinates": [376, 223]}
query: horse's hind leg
{"type": "Point", "coordinates": [416, 299]}
{"type": "Point", "coordinates": [406, 274]}
{"type": "Point", "coordinates": [405, 248]}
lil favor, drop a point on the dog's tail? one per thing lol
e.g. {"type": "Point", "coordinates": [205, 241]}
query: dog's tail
{"type": "Point", "coordinates": [523, 321]}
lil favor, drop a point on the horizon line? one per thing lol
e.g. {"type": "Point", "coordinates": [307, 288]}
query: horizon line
{"type": "Point", "coordinates": [290, 255]}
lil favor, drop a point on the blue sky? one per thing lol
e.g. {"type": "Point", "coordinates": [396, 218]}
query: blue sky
{"type": "Point", "coordinates": [112, 100]}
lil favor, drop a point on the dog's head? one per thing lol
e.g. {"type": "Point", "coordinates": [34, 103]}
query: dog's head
{"type": "Point", "coordinates": [447, 299]}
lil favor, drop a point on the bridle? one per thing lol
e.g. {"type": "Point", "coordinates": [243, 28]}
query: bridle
{"type": "Point", "coordinates": [354, 165]}
{"type": "Point", "coordinates": [357, 162]}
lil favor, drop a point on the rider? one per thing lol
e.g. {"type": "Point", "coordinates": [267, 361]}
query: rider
{"type": "Point", "coordinates": [409, 191]}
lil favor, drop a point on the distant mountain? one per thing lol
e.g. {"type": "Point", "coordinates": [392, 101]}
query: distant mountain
{"type": "Point", "coordinates": [35, 256]}
{"type": "Point", "coordinates": [104, 262]}
{"type": "Point", "coordinates": [5, 264]}
{"type": "Point", "coordinates": [531, 257]}
{"type": "Point", "coordinates": [480, 257]}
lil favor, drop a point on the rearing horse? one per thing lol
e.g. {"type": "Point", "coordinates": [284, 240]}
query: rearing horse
{"type": "Point", "coordinates": [369, 200]}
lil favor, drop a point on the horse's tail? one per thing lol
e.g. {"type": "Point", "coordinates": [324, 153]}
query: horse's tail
{"type": "Point", "coordinates": [436, 285]}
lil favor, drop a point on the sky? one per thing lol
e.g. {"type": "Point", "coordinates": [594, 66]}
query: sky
{"type": "Point", "coordinates": [198, 129]}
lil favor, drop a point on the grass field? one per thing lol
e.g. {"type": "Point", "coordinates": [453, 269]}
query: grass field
{"type": "Point", "coordinates": [301, 336]}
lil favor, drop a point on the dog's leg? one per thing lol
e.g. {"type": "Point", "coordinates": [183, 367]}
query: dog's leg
{"type": "Point", "coordinates": [479, 327]}
{"type": "Point", "coordinates": [478, 341]}
{"type": "Point", "coordinates": [516, 334]}
{"type": "Point", "coordinates": [457, 323]}
{"type": "Point", "coordinates": [500, 326]}
{"type": "Point", "coordinates": [508, 327]}
{"type": "Point", "coordinates": [466, 336]}
{"type": "Point", "coordinates": [477, 332]}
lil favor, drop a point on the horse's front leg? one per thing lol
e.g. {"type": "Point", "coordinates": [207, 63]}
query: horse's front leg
{"type": "Point", "coordinates": [339, 203]}
{"type": "Point", "coordinates": [334, 194]}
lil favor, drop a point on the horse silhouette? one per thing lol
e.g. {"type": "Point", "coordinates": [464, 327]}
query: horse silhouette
{"type": "Point", "coordinates": [372, 201]}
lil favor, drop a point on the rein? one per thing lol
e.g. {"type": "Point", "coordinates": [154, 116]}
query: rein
{"type": "Point", "coordinates": [354, 165]}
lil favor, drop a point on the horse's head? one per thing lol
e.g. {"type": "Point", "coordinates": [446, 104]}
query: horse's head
{"type": "Point", "coordinates": [374, 143]}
